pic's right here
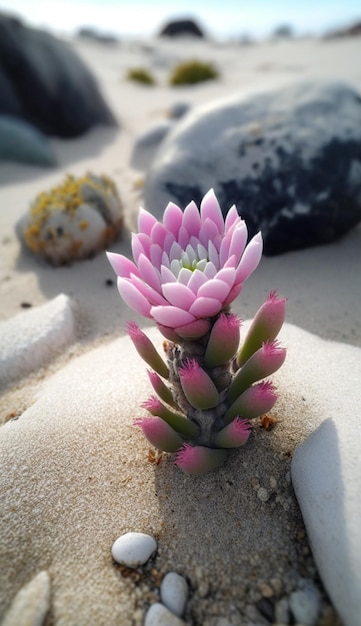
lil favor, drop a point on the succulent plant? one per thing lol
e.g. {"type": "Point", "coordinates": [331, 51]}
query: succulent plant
{"type": "Point", "coordinates": [140, 75]}
{"type": "Point", "coordinates": [74, 219]}
{"type": "Point", "coordinates": [191, 72]}
{"type": "Point", "coordinates": [187, 271]}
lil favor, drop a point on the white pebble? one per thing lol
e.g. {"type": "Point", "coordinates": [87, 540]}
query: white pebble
{"type": "Point", "coordinates": [159, 615]}
{"type": "Point", "coordinates": [262, 494]}
{"type": "Point", "coordinates": [31, 603]}
{"type": "Point", "coordinates": [133, 549]}
{"type": "Point", "coordinates": [174, 593]}
{"type": "Point", "coordinates": [305, 606]}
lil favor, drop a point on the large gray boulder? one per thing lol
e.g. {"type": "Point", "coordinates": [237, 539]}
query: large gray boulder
{"type": "Point", "coordinates": [290, 160]}
{"type": "Point", "coordinates": [22, 143]}
{"type": "Point", "coordinates": [45, 83]}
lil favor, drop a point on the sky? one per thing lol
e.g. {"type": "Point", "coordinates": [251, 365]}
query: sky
{"type": "Point", "coordinates": [221, 18]}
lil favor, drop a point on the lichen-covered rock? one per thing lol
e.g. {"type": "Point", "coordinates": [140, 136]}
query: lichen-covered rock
{"type": "Point", "coordinates": [74, 220]}
{"type": "Point", "coordinates": [290, 160]}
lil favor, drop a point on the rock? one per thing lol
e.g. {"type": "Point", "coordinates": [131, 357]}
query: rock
{"type": "Point", "coordinates": [74, 220]}
{"type": "Point", "coordinates": [31, 604]}
{"type": "Point", "coordinates": [147, 143]}
{"type": "Point", "coordinates": [133, 549]}
{"type": "Point", "coordinates": [174, 593]}
{"type": "Point", "coordinates": [158, 615]}
{"type": "Point", "coordinates": [88, 32]}
{"type": "Point", "coordinates": [22, 143]}
{"type": "Point", "coordinates": [326, 477]}
{"type": "Point", "coordinates": [31, 339]}
{"type": "Point", "coordinates": [45, 83]}
{"type": "Point", "coordinates": [178, 110]}
{"type": "Point", "coordinates": [290, 160]}
{"type": "Point", "coordinates": [305, 605]}
{"type": "Point", "coordinates": [282, 611]}
{"type": "Point", "coordinates": [180, 28]}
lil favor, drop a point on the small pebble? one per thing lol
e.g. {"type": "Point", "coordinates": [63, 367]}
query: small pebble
{"type": "Point", "coordinates": [174, 593]}
{"type": "Point", "coordinates": [159, 615]}
{"type": "Point", "coordinates": [305, 605]}
{"type": "Point", "coordinates": [282, 611]}
{"type": "Point", "coordinates": [262, 494]}
{"type": "Point", "coordinates": [133, 549]}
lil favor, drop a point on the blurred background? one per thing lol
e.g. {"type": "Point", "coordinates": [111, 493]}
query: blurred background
{"type": "Point", "coordinates": [229, 19]}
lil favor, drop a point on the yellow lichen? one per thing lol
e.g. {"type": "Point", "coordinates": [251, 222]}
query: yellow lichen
{"type": "Point", "coordinates": [83, 224]}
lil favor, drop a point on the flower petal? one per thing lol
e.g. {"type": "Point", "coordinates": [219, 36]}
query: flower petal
{"type": "Point", "coordinates": [250, 259]}
{"type": "Point", "coordinates": [214, 288]}
{"type": "Point", "coordinates": [208, 231]}
{"type": "Point", "coordinates": [231, 218]}
{"type": "Point", "coordinates": [178, 295]}
{"type": "Point", "coordinates": [133, 298]}
{"type": "Point", "coordinates": [146, 221]}
{"type": "Point", "coordinates": [150, 275]}
{"type": "Point", "coordinates": [172, 218]}
{"type": "Point", "coordinates": [227, 275]}
{"type": "Point", "coordinates": [171, 316]}
{"type": "Point", "coordinates": [210, 209]}
{"type": "Point", "coordinates": [196, 280]}
{"type": "Point", "coordinates": [205, 307]}
{"type": "Point", "coordinates": [121, 265]}
{"type": "Point", "coordinates": [192, 219]}
{"type": "Point", "coordinates": [238, 241]}
{"type": "Point", "coordinates": [158, 234]}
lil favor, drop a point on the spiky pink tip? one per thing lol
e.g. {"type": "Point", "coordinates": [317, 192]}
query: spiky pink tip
{"type": "Point", "coordinates": [152, 404]}
{"type": "Point", "coordinates": [159, 433]}
{"type": "Point", "coordinates": [199, 459]}
{"type": "Point", "coordinates": [134, 331]}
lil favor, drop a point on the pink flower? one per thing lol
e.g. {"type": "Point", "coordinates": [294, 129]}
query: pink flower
{"type": "Point", "coordinates": [187, 268]}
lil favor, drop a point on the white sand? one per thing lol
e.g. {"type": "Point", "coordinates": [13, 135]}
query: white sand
{"type": "Point", "coordinates": [322, 286]}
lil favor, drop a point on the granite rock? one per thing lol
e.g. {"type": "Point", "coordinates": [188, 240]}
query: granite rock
{"type": "Point", "coordinates": [289, 159]}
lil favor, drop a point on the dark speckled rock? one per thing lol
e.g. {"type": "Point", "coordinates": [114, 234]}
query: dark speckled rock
{"type": "Point", "coordinates": [290, 160]}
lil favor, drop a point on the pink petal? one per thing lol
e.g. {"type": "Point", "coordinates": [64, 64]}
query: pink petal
{"type": "Point", "coordinates": [149, 274]}
{"type": "Point", "coordinates": [227, 275]}
{"type": "Point", "coordinates": [192, 219]}
{"type": "Point", "coordinates": [250, 259]}
{"type": "Point", "coordinates": [224, 248]}
{"type": "Point", "coordinates": [196, 280]}
{"type": "Point", "coordinates": [171, 316]}
{"type": "Point", "coordinates": [158, 234]}
{"type": "Point", "coordinates": [183, 237]}
{"type": "Point", "coordinates": [146, 221]}
{"type": "Point", "coordinates": [155, 255]}
{"type": "Point", "coordinates": [153, 296]}
{"type": "Point", "coordinates": [166, 275]}
{"type": "Point", "coordinates": [210, 209]}
{"type": "Point", "coordinates": [214, 288]}
{"type": "Point", "coordinates": [231, 218]}
{"type": "Point", "coordinates": [178, 295]}
{"type": "Point", "coordinates": [175, 252]}
{"type": "Point", "coordinates": [172, 218]}
{"type": "Point", "coordinates": [121, 265]}
{"type": "Point", "coordinates": [209, 270]}
{"type": "Point", "coordinates": [140, 245]}
{"type": "Point", "coordinates": [208, 232]}
{"type": "Point", "coordinates": [238, 241]}
{"type": "Point", "coordinates": [194, 330]}
{"type": "Point", "coordinates": [213, 255]}
{"type": "Point", "coordinates": [205, 307]}
{"type": "Point", "coordinates": [235, 291]}
{"type": "Point", "coordinates": [133, 298]}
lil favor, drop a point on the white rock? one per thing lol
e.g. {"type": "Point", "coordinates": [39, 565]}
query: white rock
{"type": "Point", "coordinates": [174, 593]}
{"type": "Point", "coordinates": [159, 615]}
{"type": "Point", "coordinates": [305, 605]}
{"type": "Point", "coordinates": [326, 475]}
{"type": "Point", "coordinates": [133, 549]}
{"type": "Point", "coordinates": [31, 603]}
{"type": "Point", "coordinates": [30, 339]}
